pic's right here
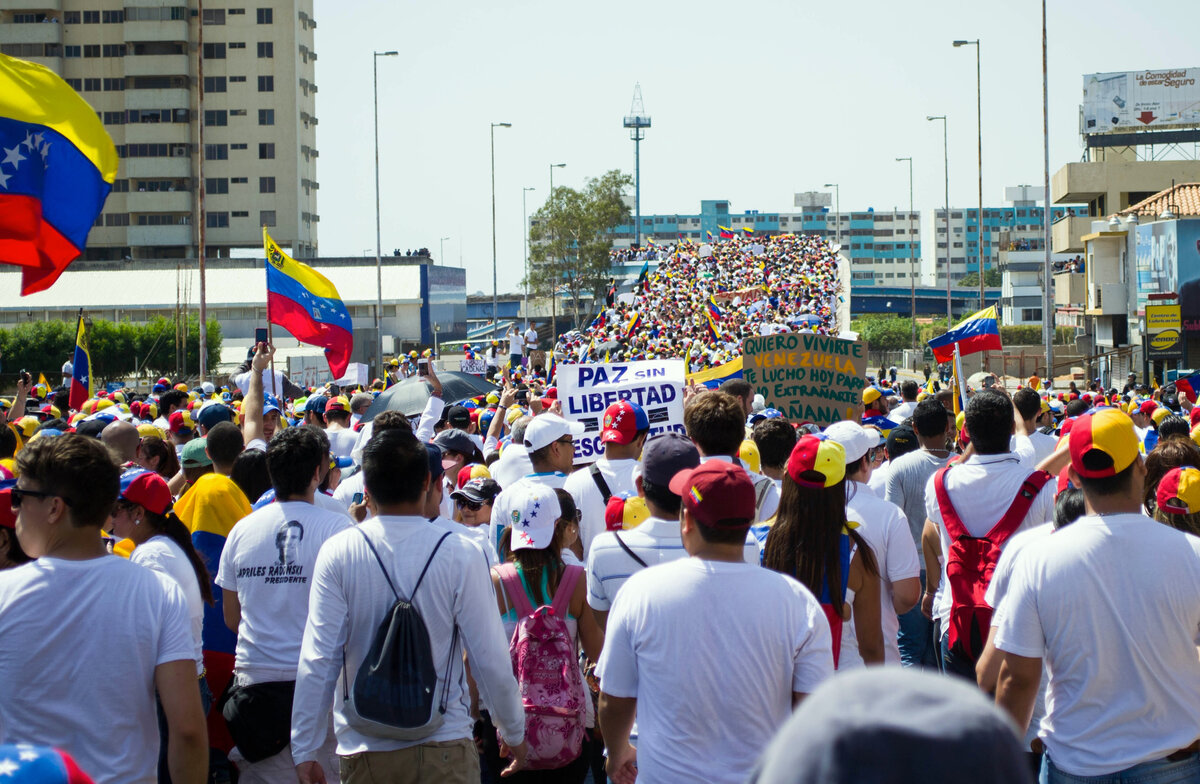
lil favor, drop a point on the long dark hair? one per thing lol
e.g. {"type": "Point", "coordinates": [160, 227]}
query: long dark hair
{"type": "Point", "coordinates": [805, 540]}
{"type": "Point", "coordinates": [168, 463]}
{"type": "Point", "coordinates": [170, 526]}
{"type": "Point", "coordinates": [533, 562]}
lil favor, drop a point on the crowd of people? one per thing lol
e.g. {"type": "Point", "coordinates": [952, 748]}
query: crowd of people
{"type": "Point", "coordinates": [704, 299]}
{"type": "Point", "coordinates": [213, 585]}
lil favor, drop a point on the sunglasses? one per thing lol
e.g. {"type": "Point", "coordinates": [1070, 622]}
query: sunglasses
{"type": "Point", "coordinates": [474, 506]}
{"type": "Point", "coordinates": [18, 495]}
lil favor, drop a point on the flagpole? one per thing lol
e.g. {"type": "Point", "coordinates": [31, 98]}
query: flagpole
{"type": "Point", "coordinates": [270, 332]}
{"type": "Point", "coordinates": [958, 372]}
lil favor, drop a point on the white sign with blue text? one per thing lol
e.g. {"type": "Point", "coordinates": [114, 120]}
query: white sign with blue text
{"type": "Point", "coordinates": [587, 390]}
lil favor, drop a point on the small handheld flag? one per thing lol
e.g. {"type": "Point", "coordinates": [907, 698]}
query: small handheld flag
{"type": "Point", "coordinates": [81, 376]}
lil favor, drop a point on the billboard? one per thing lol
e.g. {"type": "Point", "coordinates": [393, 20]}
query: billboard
{"type": "Point", "coordinates": [1140, 100]}
{"type": "Point", "coordinates": [1164, 335]}
{"type": "Point", "coordinates": [1168, 260]}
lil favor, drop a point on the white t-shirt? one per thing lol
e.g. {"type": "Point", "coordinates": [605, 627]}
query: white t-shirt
{"type": "Point", "coordinates": [243, 382]}
{"type": "Point", "coordinates": [347, 488]}
{"type": "Point", "coordinates": [164, 556]}
{"type": "Point", "coordinates": [515, 343]}
{"type": "Point", "coordinates": [502, 507]}
{"type": "Point", "coordinates": [1112, 603]}
{"type": "Point", "coordinates": [885, 528]}
{"type": "Point", "coordinates": [79, 644]}
{"type": "Point", "coordinates": [341, 442]}
{"type": "Point", "coordinates": [902, 411]}
{"type": "Point", "coordinates": [618, 475]}
{"type": "Point", "coordinates": [1043, 446]}
{"type": "Point", "coordinates": [712, 651]}
{"type": "Point", "coordinates": [877, 484]}
{"type": "Point", "coordinates": [981, 489]}
{"type": "Point", "coordinates": [268, 561]}
{"type": "Point", "coordinates": [531, 338]}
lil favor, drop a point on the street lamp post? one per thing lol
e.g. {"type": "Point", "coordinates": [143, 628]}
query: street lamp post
{"type": "Point", "coordinates": [495, 288]}
{"type": "Point", "coordinates": [525, 233]}
{"type": "Point", "coordinates": [441, 249]}
{"type": "Point", "coordinates": [979, 124]}
{"type": "Point", "coordinates": [553, 287]}
{"type": "Point", "coordinates": [946, 155]}
{"type": "Point", "coordinates": [1047, 311]}
{"type": "Point", "coordinates": [912, 277]}
{"type": "Point", "coordinates": [837, 207]}
{"type": "Point", "coordinates": [378, 241]}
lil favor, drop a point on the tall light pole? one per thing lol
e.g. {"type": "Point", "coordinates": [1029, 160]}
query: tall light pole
{"type": "Point", "coordinates": [946, 155]}
{"type": "Point", "coordinates": [837, 207]}
{"type": "Point", "coordinates": [912, 278]}
{"type": "Point", "coordinates": [525, 234]}
{"type": "Point", "coordinates": [378, 241]}
{"type": "Point", "coordinates": [979, 124]}
{"type": "Point", "coordinates": [553, 288]}
{"type": "Point", "coordinates": [495, 289]}
{"type": "Point", "coordinates": [1047, 313]}
{"type": "Point", "coordinates": [637, 121]}
{"type": "Point", "coordinates": [441, 248]}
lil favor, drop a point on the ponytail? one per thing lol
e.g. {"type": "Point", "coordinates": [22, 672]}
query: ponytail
{"type": "Point", "coordinates": [170, 526]}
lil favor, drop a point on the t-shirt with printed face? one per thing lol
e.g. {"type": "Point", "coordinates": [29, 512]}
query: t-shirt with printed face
{"type": "Point", "coordinates": [268, 561]}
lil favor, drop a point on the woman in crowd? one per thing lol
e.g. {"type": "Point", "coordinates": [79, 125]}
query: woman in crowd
{"type": "Point", "coordinates": [158, 456]}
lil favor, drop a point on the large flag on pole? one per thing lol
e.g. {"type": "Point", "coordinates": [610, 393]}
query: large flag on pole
{"type": "Point", "coordinates": [306, 304]}
{"type": "Point", "coordinates": [81, 376]}
{"type": "Point", "coordinates": [57, 166]}
{"type": "Point", "coordinates": [978, 332]}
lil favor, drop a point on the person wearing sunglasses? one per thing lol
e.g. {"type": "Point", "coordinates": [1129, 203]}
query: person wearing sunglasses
{"type": "Point", "coordinates": [473, 512]}
{"type": "Point", "coordinates": [77, 605]}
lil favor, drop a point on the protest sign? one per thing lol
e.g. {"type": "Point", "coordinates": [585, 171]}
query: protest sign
{"type": "Point", "coordinates": [587, 390]}
{"type": "Point", "coordinates": [476, 367]}
{"type": "Point", "coordinates": [810, 378]}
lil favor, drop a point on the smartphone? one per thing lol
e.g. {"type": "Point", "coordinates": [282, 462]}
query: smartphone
{"type": "Point", "coordinates": [260, 335]}
{"type": "Point", "coordinates": [422, 367]}
{"type": "Point", "coordinates": [358, 497]}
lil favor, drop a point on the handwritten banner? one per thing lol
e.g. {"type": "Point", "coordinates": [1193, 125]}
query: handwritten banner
{"type": "Point", "coordinates": [810, 378]}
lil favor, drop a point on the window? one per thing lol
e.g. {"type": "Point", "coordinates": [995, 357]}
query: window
{"type": "Point", "coordinates": [120, 186]}
{"type": "Point", "coordinates": [119, 219]}
{"type": "Point", "coordinates": [266, 116]}
{"type": "Point", "coordinates": [91, 50]}
{"type": "Point", "coordinates": [238, 180]}
{"type": "Point", "coordinates": [266, 48]}
{"type": "Point", "coordinates": [214, 84]}
{"type": "Point", "coordinates": [1031, 314]}
{"type": "Point", "coordinates": [239, 214]}
{"type": "Point", "coordinates": [237, 11]}
{"type": "Point", "coordinates": [72, 51]}
{"type": "Point", "coordinates": [156, 82]}
{"type": "Point", "coordinates": [215, 117]}
{"type": "Point", "coordinates": [214, 51]}
{"type": "Point", "coordinates": [216, 152]}
{"type": "Point", "coordinates": [113, 50]}
{"type": "Point", "coordinates": [113, 17]}
{"type": "Point", "coordinates": [217, 220]}
{"type": "Point", "coordinates": [91, 17]}
{"type": "Point", "coordinates": [266, 217]}
{"type": "Point", "coordinates": [91, 85]}
{"type": "Point", "coordinates": [266, 150]}
{"type": "Point", "coordinates": [71, 17]}
{"type": "Point", "coordinates": [149, 150]}
{"type": "Point", "coordinates": [233, 79]}
{"type": "Point", "coordinates": [266, 16]}
{"type": "Point", "coordinates": [214, 16]}
{"type": "Point", "coordinates": [216, 185]}
{"type": "Point", "coordinates": [237, 112]}
{"type": "Point", "coordinates": [266, 84]}
{"type": "Point", "coordinates": [237, 44]}
{"type": "Point", "coordinates": [266, 184]}
{"type": "Point", "coordinates": [153, 14]}
{"type": "Point", "coordinates": [114, 85]}
{"type": "Point", "coordinates": [114, 118]}
{"type": "Point", "coordinates": [74, 84]}
{"type": "Point", "coordinates": [241, 146]}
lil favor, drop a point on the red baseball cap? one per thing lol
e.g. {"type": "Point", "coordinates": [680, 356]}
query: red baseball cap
{"type": "Point", "coordinates": [551, 393]}
{"type": "Point", "coordinates": [1194, 417]}
{"type": "Point", "coordinates": [820, 455]}
{"type": "Point", "coordinates": [146, 489]}
{"type": "Point", "coordinates": [622, 421]}
{"type": "Point", "coordinates": [1147, 407]}
{"type": "Point", "coordinates": [718, 494]}
{"type": "Point", "coordinates": [1108, 431]}
{"type": "Point", "coordinates": [1179, 491]}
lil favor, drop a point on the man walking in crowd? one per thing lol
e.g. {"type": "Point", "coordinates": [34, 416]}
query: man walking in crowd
{"type": "Point", "coordinates": [908, 391]}
{"type": "Point", "coordinates": [623, 433]}
{"type": "Point", "coordinates": [716, 423]}
{"type": "Point", "coordinates": [77, 606]}
{"type": "Point", "coordinates": [709, 652]}
{"type": "Point", "coordinates": [1112, 604]}
{"type": "Point", "coordinates": [351, 595]}
{"type": "Point", "coordinates": [266, 575]}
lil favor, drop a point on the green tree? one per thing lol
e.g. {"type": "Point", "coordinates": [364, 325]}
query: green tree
{"type": "Point", "coordinates": [991, 277]}
{"type": "Point", "coordinates": [884, 332]}
{"type": "Point", "coordinates": [570, 237]}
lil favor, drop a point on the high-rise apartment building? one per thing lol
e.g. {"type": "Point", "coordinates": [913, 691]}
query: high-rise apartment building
{"type": "Point", "coordinates": [214, 93]}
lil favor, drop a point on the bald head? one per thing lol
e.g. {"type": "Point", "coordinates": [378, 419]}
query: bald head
{"type": "Point", "coordinates": [122, 440]}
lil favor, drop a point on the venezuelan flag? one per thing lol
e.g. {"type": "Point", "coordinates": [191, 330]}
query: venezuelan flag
{"type": "Point", "coordinates": [633, 324]}
{"type": "Point", "coordinates": [712, 308]}
{"type": "Point", "coordinates": [1188, 385]}
{"type": "Point", "coordinates": [550, 368]}
{"type": "Point", "coordinates": [709, 233]}
{"type": "Point", "coordinates": [81, 377]}
{"type": "Point", "coordinates": [649, 240]}
{"type": "Point", "coordinates": [306, 304]}
{"type": "Point", "coordinates": [713, 332]}
{"type": "Point", "coordinates": [57, 169]}
{"type": "Point", "coordinates": [978, 332]}
{"type": "Point", "coordinates": [749, 231]}
{"type": "Point", "coordinates": [726, 234]}
{"type": "Point", "coordinates": [714, 377]}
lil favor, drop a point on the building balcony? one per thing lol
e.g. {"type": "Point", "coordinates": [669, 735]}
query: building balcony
{"type": "Point", "coordinates": [156, 64]}
{"type": "Point", "coordinates": [160, 235]}
{"type": "Point", "coordinates": [1066, 234]}
{"type": "Point", "coordinates": [158, 201]}
{"type": "Point", "coordinates": [1070, 289]}
{"type": "Point", "coordinates": [30, 6]}
{"type": "Point", "coordinates": [157, 168]}
{"type": "Point", "coordinates": [32, 33]}
{"type": "Point", "coordinates": [157, 30]}
{"type": "Point", "coordinates": [160, 133]}
{"type": "Point", "coordinates": [165, 98]}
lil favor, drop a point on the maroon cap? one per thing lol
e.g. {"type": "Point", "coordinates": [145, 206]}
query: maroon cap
{"type": "Point", "coordinates": [717, 493]}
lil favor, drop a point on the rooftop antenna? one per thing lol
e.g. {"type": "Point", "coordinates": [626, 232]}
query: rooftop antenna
{"type": "Point", "coordinates": [637, 121]}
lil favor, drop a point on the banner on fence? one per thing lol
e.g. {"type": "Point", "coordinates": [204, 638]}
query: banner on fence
{"type": "Point", "coordinates": [587, 390]}
{"type": "Point", "coordinates": [810, 378]}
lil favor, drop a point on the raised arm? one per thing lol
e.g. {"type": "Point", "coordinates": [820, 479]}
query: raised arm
{"type": "Point", "coordinates": [252, 404]}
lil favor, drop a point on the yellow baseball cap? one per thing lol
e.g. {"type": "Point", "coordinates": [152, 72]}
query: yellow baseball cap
{"type": "Point", "coordinates": [819, 455]}
{"type": "Point", "coordinates": [870, 395]}
{"type": "Point", "coordinates": [1179, 491]}
{"type": "Point", "coordinates": [1108, 432]}
{"type": "Point", "coordinates": [749, 454]}
{"type": "Point", "coordinates": [1160, 414]}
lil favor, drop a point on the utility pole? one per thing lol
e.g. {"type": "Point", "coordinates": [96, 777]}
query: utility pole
{"type": "Point", "coordinates": [912, 278]}
{"type": "Point", "coordinates": [637, 121]}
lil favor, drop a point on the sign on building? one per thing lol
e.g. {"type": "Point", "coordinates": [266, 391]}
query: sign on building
{"type": "Point", "coordinates": [810, 378]}
{"type": "Point", "coordinates": [1164, 332]}
{"type": "Point", "coordinates": [1140, 100]}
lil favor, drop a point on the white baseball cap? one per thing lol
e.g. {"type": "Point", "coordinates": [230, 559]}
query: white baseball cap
{"type": "Point", "coordinates": [854, 438]}
{"type": "Point", "coordinates": [535, 512]}
{"type": "Point", "coordinates": [544, 429]}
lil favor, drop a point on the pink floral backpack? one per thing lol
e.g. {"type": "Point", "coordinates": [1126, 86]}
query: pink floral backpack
{"type": "Point", "coordinates": [547, 668]}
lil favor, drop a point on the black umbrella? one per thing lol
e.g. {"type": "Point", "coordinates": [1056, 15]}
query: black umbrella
{"type": "Point", "coordinates": [410, 395]}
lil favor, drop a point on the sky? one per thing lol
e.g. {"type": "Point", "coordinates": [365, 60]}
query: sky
{"type": "Point", "coordinates": [750, 103]}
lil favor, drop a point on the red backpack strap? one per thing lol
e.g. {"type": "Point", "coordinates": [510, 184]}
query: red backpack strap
{"type": "Point", "coordinates": [515, 589]}
{"type": "Point", "coordinates": [1013, 518]}
{"type": "Point", "coordinates": [954, 526]}
{"type": "Point", "coordinates": [566, 591]}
